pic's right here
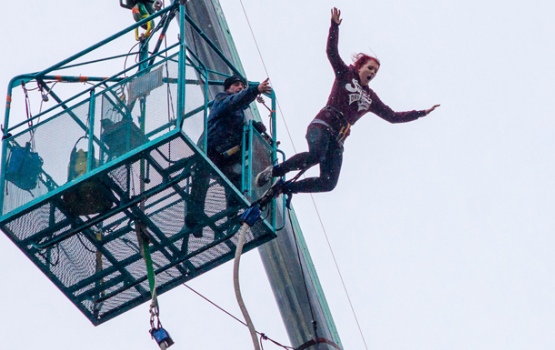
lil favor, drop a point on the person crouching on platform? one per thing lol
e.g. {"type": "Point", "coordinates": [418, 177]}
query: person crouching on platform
{"type": "Point", "coordinates": [225, 128]}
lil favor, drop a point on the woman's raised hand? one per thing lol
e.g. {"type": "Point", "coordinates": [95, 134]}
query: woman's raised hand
{"type": "Point", "coordinates": [335, 15]}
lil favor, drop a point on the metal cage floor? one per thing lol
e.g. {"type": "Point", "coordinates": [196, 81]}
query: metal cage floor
{"type": "Point", "coordinates": [96, 260]}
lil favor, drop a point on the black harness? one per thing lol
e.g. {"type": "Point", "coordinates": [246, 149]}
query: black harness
{"type": "Point", "coordinates": [344, 126]}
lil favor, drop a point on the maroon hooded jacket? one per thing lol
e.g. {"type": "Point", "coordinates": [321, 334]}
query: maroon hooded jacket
{"type": "Point", "coordinates": [350, 98]}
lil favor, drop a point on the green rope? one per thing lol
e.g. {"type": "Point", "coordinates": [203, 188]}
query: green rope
{"type": "Point", "coordinates": [149, 270]}
{"type": "Point", "coordinates": [144, 242]}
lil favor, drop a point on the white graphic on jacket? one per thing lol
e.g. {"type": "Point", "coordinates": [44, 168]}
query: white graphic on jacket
{"type": "Point", "coordinates": [358, 95]}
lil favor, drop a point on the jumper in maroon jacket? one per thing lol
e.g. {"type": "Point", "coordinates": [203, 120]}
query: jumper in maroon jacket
{"type": "Point", "coordinates": [350, 98]}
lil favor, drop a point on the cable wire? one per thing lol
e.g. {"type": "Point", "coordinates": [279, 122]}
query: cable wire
{"type": "Point", "coordinates": [262, 335]}
{"type": "Point", "coordinates": [339, 272]}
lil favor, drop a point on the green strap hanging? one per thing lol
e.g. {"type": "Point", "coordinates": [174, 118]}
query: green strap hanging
{"type": "Point", "coordinates": [144, 243]}
{"type": "Point", "coordinates": [157, 332]}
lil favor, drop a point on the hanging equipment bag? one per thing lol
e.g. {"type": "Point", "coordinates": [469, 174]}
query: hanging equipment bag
{"type": "Point", "coordinates": [24, 167]}
{"type": "Point", "coordinates": [89, 197]}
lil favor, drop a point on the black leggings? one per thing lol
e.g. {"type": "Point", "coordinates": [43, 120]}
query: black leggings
{"type": "Point", "coordinates": [323, 149]}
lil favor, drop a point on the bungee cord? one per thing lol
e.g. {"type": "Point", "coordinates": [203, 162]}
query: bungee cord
{"type": "Point", "coordinates": [237, 288]}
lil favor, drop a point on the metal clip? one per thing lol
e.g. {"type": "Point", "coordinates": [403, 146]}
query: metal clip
{"type": "Point", "coordinates": [343, 133]}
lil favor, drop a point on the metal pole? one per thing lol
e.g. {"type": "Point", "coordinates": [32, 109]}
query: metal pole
{"type": "Point", "coordinates": [286, 259]}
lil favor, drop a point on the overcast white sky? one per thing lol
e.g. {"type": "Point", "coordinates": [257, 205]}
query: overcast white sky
{"type": "Point", "coordinates": [443, 228]}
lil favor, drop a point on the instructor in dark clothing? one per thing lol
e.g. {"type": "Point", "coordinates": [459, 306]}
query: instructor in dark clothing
{"type": "Point", "coordinates": [225, 126]}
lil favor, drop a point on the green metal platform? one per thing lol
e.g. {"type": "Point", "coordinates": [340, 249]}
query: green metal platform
{"type": "Point", "coordinates": [118, 152]}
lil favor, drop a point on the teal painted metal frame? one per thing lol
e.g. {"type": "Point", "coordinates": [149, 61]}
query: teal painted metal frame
{"type": "Point", "coordinates": [66, 106]}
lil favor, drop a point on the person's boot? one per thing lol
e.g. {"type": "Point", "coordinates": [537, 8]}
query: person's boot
{"type": "Point", "coordinates": [264, 176]}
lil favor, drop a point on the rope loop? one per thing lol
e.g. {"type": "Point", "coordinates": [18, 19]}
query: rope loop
{"type": "Point", "coordinates": [261, 100]}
